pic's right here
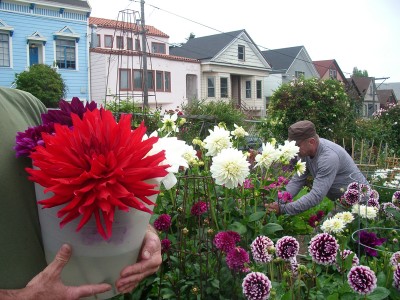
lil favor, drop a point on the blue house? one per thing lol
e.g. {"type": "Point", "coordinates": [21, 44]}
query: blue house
{"type": "Point", "coordinates": [54, 33]}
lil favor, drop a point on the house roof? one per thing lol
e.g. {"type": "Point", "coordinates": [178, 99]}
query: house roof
{"type": "Point", "coordinates": [114, 24]}
{"type": "Point", "coordinates": [386, 96]}
{"type": "Point", "coordinates": [324, 66]}
{"type": "Point", "coordinates": [78, 3]}
{"type": "Point", "coordinates": [138, 53]}
{"type": "Point", "coordinates": [205, 47]}
{"type": "Point", "coordinates": [362, 83]}
{"type": "Point", "coordinates": [282, 59]}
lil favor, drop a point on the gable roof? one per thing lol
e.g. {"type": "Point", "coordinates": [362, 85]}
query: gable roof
{"type": "Point", "coordinates": [282, 59]}
{"type": "Point", "coordinates": [362, 83]}
{"type": "Point", "coordinates": [323, 66]}
{"type": "Point", "coordinates": [386, 96]}
{"type": "Point", "coordinates": [205, 47]}
{"type": "Point", "coordinates": [114, 24]}
{"type": "Point", "coordinates": [78, 3]}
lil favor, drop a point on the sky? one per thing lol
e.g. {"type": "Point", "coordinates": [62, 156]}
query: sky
{"type": "Point", "coordinates": [356, 33]}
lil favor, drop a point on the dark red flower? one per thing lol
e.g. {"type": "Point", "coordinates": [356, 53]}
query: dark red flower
{"type": "Point", "coordinates": [237, 259]}
{"type": "Point", "coordinates": [163, 222]}
{"type": "Point", "coordinates": [165, 245]}
{"type": "Point", "coordinates": [199, 208]}
{"type": "Point", "coordinates": [96, 167]}
{"type": "Point", "coordinates": [226, 240]}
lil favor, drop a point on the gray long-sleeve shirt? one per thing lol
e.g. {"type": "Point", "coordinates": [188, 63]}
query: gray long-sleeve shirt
{"type": "Point", "coordinates": [332, 169]}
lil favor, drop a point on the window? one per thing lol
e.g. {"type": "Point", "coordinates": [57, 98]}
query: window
{"type": "Point", "coordinates": [137, 80]}
{"type": "Point", "coordinates": [4, 50]}
{"type": "Point", "coordinates": [129, 43]}
{"type": "Point", "coordinates": [96, 41]}
{"type": "Point", "coordinates": [150, 80]}
{"type": "Point", "coordinates": [125, 80]}
{"type": "Point", "coordinates": [241, 54]}
{"type": "Point", "coordinates": [108, 41]}
{"type": "Point", "coordinates": [259, 89]}
{"type": "Point", "coordinates": [248, 89]}
{"type": "Point", "coordinates": [167, 81]}
{"type": "Point", "coordinates": [120, 42]}
{"type": "Point", "coordinates": [224, 87]}
{"type": "Point", "coordinates": [137, 44]}
{"type": "Point", "coordinates": [158, 48]}
{"type": "Point", "coordinates": [65, 54]}
{"type": "Point", "coordinates": [159, 81]}
{"type": "Point", "coordinates": [210, 87]}
{"type": "Point", "coordinates": [298, 74]}
{"type": "Point", "coordinates": [332, 73]}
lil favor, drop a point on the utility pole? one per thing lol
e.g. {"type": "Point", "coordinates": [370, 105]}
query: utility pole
{"type": "Point", "coordinates": [144, 52]}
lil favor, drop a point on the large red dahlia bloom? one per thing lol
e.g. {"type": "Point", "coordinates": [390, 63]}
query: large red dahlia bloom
{"type": "Point", "coordinates": [96, 166]}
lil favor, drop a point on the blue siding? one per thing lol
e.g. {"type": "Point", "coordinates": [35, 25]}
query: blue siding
{"type": "Point", "coordinates": [47, 21]}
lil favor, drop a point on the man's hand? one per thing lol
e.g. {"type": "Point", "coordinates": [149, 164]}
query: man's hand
{"type": "Point", "coordinates": [148, 263]}
{"type": "Point", "coordinates": [47, 285]}
{"type": "Point", "coordinates": [272, 207]}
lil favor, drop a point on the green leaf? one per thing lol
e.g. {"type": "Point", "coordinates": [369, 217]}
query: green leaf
{"type": "Point", "coordinates": [334, 296]}
{"type": "Point", "coordinates": [256, 216]}
{"type": "Point", "coordinates": [238, 227]}
{"type": "Point", "coordinates": [379, 293]}
{"type": "Point", "coordinates": [381, 278]}
{"type": "Point", "coordinates": [271, 228]}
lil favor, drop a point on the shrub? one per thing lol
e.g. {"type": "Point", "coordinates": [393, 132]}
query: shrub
{"type": "Point", "coordinates": [43, 82]}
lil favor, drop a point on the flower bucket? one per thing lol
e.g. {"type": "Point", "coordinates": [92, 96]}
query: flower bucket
{"type": "Point", "coordinates": [93, 260]}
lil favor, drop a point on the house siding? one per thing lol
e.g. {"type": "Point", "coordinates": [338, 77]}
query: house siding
{"type": "Point", "coordinates": [46, 21]}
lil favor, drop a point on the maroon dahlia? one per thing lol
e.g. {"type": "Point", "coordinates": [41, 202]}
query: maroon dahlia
{"type": "Point", "coordinates": [323, 249]}
{"type": "Point", "coordinates": [199, 208]}
{"type": "Point", "coordinates": [237, 260]}
{"type": "Point", "coordinates": [287, 247]}
{"type": "Point", "coordinates": [162, 223]}
{"type": "Point", "coordinates": [256, 286]}
{"type": "Point", "coordinates": [362, 279]}
{"type": "Point", "coordinates": [226, 240]}
{"type": "Point", "coordinates": [260, 248]}
{"type": "Point", "coordinates": [165, 245]}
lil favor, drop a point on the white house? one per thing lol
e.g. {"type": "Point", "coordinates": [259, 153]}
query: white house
{"type": "Point", "coordinates": [117, 63]}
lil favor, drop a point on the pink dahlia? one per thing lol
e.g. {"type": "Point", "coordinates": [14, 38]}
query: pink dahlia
{"type": "Point", "coordinates": [226, 240]}
{"type": "Point", "coordinates": [163, 222]}
{"type": "Point", "coordinates": [256, 286]}
{"type": "Point", "coordinates": [237, 259]}
{"type": "Point", "coordinates": [260, 248]}
{"type": "Point", "coordinates": [287, 247]}
{"type": "Point", "coordinates": [323, 248]}
{"type": "Point", "coordinates": [362, 279]}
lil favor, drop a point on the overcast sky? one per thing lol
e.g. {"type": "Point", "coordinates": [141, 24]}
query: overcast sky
{"type": "Point", "coordinates": [357, 33]}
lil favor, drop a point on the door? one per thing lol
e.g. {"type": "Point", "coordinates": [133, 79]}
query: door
{"type": "Point", "coordinates": [33, 54]}
{"type": "Point", "coordinates": [191, 87]}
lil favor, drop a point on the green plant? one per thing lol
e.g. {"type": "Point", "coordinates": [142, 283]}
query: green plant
{"type": "Point", "coordinates": [44, 82]}
{"type": "Point", "coordinates": [324, 102]}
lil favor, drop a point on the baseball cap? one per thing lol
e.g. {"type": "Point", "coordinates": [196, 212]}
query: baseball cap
{"type": "Point", "coordinates": [301, 130]}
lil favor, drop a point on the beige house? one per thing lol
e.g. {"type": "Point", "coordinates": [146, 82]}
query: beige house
{"type": "Point", "coordinates": [232, 68]}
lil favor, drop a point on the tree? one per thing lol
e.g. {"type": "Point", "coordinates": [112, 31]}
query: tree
{"type": "Point", "coordinates": [324, 102]}
{"type": "Point", "coordinates": [43, 82]}
{"type": "Point", "coordinates": [359, 73]}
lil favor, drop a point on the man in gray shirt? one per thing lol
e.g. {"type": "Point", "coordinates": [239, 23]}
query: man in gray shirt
{"type": "Point", "coordinates": [331, 167]}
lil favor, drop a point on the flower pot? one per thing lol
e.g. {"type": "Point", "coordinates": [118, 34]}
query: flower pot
{"type": "Point", "coordinates": [93, 260]}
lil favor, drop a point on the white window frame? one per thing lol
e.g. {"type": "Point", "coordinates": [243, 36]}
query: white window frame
{"type": "Point", "coordinates": [241, 52]}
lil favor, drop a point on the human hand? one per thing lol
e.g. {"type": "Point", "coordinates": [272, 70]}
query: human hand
{"type": "Point", "coordinates": [272, 207]}
{"type": "Point", "coordinates": [148, 263]}
{"type": "Point", "coordinates": [47, 285]}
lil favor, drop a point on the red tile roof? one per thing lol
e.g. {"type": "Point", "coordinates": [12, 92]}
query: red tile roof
{"type": "Point", "coordinates": [107, 23]}
{"type": "Point", "coordinates": [137, 53]}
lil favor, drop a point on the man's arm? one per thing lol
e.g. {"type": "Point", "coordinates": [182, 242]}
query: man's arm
{"type": "Point", "coordinates": [326, 173]}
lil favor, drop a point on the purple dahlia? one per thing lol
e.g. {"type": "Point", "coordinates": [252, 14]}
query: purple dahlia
{"type": "Point", "coordinates": [287, 247]}
{"type": "Point", "coordinates": [362, 279]}
{"type": "Point", "coordinates": [395, 259]}
{"type": "Point", "coordinates": [351, 196]}
{"type": "Point", "coordinates": [237, 259]}
{"type": "Point", "coordinates": [260, 249]}
{"type": "Point", "coordinates": [163, 222]}
{"type": "Point", "coordinates": [199, 208]}
{"type": "Point", "coordinates": [323, 248]}
{"type": "Point", "coordinates": [396, 277]}
{"type": "Point", "coordinates": [226, 240]}
{"type": "Point", "coordinates": [165, 245]}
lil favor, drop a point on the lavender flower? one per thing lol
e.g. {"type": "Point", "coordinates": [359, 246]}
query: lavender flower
{"type": "Point", "coordinates": [323, 248]}
{"type": "Point", "coordinates": [199, 208]}
{"type": "Point", "coordinates": [237, 258]}
{"type": "Point", "coordinates": [260, 249]}
{"type": "Point", "coordinates": [226, 240]}
{"type": "Point", "coordinates": [165, 245]}
{"type": "Point", "coordinates": [395, 259]}
{"type": "Point", "coordinates": [396, 277]}
{"type": "Point", "coordinates": [287, 247]}
{"type": "Point", "coordinates": [396, 197]}
{"type": "Point", "coordinates": [162, 223]}
{"type": "Point", "coordinates": [370, 240]}
{"type": "Point", "coordinates": [256, 286]}
{"type": "Point", "coordinates": [362, 279]}
{"type": "Point", "coordinates": [26, 141]}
